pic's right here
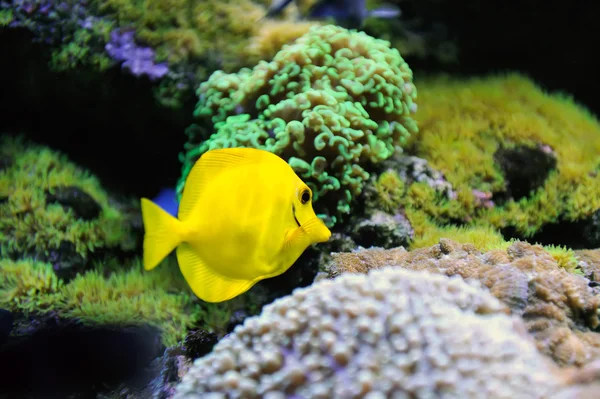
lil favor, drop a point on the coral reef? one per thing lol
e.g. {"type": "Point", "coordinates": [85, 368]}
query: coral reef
{"type": "Point", "coordinates": [331, 104]}
{"type": "Point", "coordinates": [107, 294]}
{"type": "Point", "coordinates": [53, 211]}
{"type": "Point", "coordinates": [494, 158]}
{"type": "Point", "coordinates": [119, 294]}
{"type": "Point", "coordinates": [589, 263]}
{"type": "Point", "coordinates": [76, 35]}
{"type": "Point", "coordinates": [69, 248]}
{"type": "Point", "coordinates": [138, 60]}
{"type": "Point", "coordinates": [179, 41]}
{"type": "Point", "coordinates": [407, 188]}
{"type": "Point", "coordinates": [484, 136]}
{"type": "Point", "coordinates": [391, 333]}
{"type": "Point", "coordinates": [183, 30]}
{"type": "Point", "coordinates": [559, 308]}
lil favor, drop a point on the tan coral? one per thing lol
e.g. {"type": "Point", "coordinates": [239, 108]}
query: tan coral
{"type": "Point", "coordinates": [273, 35]}
{"type": "Point", "coordinates": [390, 334]}
{"type": "Point", "coordinates": [559, 308]}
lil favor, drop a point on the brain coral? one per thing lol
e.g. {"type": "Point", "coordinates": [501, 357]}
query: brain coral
{"type": "Point", "coordinates": [330, 104]}
{"type": "Point", "coordinates": [392, 333]}
{"type": "Point", "coordinates": [560, 309]}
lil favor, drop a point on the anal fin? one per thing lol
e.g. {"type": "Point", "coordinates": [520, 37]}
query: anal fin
{"type": "Point", "coordinates": [206, 282]}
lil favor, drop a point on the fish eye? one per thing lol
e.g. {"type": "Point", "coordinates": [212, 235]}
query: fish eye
{"type": "Point", "coordinates": [305, 196]}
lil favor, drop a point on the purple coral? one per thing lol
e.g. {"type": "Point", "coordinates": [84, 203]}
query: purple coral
{"type": "Point", "coordinates": [138, 60]}
{"type": "Point", "coordinates": [50, 21]}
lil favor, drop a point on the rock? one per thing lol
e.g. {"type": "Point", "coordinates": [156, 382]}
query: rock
{"type": "Point", "coordinates": [47, 354]}
{"type": "Point", "coordinates": [65, 260]}
{"type": "Point", "coordinates": [583, 233]}
{"type": "Point", "coordinates": [524, 168]}
{"type": "Point", "coordinates": [383, 230]}
{"type": "Point", "coordinates": [591, 230]}
{"type": "Point", "coordinates": [80, 202]}
{"type": "Point", "coordinates": [413, 169]}
{"type": "Point", "coordinates": [6, 325]}
{"type": "Point", "coordinates": [198, 343]}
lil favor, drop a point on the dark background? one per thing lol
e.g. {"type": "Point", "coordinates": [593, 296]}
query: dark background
{"type": "Point", "coordinates": [112, 125]}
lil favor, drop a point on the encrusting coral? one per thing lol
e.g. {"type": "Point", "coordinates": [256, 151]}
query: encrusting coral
{"type": "Point", "coordinates": [50, 207]}
{"type": "Point", "coordinates": [559, 308]}
{"type": "Point", "coordinates": [113, 294]}
{"type": "Point", "coordinates": [118, 294]}
{"type": "Point", "coordinates": [516, 157]}
{"type": "Point", "coordinates": [331, 104]}
{"type": "Point", "coordinates": [391, 333]}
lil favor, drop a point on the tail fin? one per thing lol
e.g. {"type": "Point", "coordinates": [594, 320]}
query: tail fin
{"type": "Point", "coordinates": [163, 233]}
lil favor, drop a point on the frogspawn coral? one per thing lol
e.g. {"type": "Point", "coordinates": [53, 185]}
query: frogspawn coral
{"type": "Point", "coordinates": [331, 104]}
{"type": "Point", "coordinates": [392, 333]}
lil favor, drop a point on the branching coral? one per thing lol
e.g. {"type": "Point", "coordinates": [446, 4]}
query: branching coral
{"type": "Point", "coordinates": [331, 104]}
{"type": "Point", "coordinates": [392, 333]}
{"type": "Point", "coordinates": [50, 207]}
{"type": "Point", "coordinates": [559, 308]}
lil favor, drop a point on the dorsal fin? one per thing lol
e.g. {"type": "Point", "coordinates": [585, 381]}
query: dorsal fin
{"type": "Point", "coordinates": [210, 165]}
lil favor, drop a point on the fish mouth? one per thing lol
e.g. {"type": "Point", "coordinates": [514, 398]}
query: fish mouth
{"type": "Point", "coordinates": [316, 230]}
{"type": "Point", "coordinates": [294, 214]}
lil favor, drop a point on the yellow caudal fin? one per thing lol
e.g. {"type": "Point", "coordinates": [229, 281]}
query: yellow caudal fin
{"type": "Point", "coordinates": [163, 233]}
{"type": "Point", "coordinates": [206, 283]}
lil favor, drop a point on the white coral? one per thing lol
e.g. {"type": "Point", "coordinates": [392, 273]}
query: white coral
{"type": "Point", "coordinates": [390, 334]}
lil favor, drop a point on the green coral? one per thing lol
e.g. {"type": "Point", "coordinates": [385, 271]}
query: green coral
{"type": "Point", "coordinates": [31, 224]}
{"type": "Point", "coordinates": [117, 293]}
{"type": "Point", "coordinates": [126, 296]}
{"type": "Point", "coordinates": [183, 30]}
{"type": "Point", "coordinates": [6, 17]}
{"type": "Point", "coordinates": [462, 123]}
{"type": "Point", "coordinates": [465, 122]}
{"type": "Point", "coordinates": [108, 291]}
{"type": "Point", "coordinates": [331, 104]}
{"type": "Point", "coordinates": [80, 49]}
{"type": "Point", "coordinates": [28, 285]}
{"type": "Point", "coordinates": [389, 192]}
{"type": "Point", "coordinates": [564, 257]}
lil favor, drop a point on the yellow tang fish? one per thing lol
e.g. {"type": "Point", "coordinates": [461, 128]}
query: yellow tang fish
{"type": "Point", "coordinates": [244, 216]}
